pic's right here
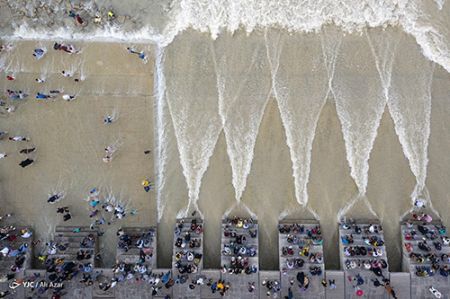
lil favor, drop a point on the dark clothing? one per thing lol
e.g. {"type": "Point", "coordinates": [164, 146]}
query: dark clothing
{"type": "Point", "coordinates": [27, 150]}
{"type": "Point", "coordinates": [26, 162]}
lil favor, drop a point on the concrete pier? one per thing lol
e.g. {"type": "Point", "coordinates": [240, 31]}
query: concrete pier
{"type": "Point", "coordinates": [426, 257]}
{"type": "Point", "coordinates": [301, 256]}
{"type": "Point", "coordinates": [302, 273]}
{"type": "Point", "coordinates": [187, 260]}
{"type": "Point", "coordinates": [363, 258]}
{"type": "Point", "coordinates": [142, 248]}
{"type": "Point", "coordinates": [239, 258]}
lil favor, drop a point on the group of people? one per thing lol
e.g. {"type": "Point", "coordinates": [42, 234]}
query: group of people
{"type": "Point", "coordinates": [365, 256]}
{"type": "Point", "coordinates": [241, 246]}
{"type": "Point", "coordinates": [15, 249]}
{"type": "Point", "coordinates": [144, 242]}
{"type": "Point", "coordinates": [62, 264]}
{"type": "Point", "coordinates": [301, 245]}
{"type": "Point", "coordinates": [427, 244]}
{"type": "Point", "coordinates": [103, 207]}
{"type": "Point", "coordinates": [432, 245]}
{"type": "Point", "coordinates": [16, 96]}
{"type": "Point", "coordinates": [188, 252]}
{"type": "Point", "coordinates": [27, 151]}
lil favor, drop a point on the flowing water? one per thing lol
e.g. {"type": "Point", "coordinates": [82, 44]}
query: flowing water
{"type": "Point", "coordinates": [301, 74]}
{"type": "Point", "coordinates": [244, 88]}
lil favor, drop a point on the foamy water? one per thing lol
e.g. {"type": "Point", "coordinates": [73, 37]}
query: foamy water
{"type": "Point", "coordinates": [300, 72]}
{"type": "Point", "coordinates": [410, 107]}
{"type": "Point", "coordinates": [192, 98]}
{"type": "Point", "coordinates": [427, 21]}
{"type": "Point", "coordinates": [244, 87]}
{"type": "Point", "coordinates": [360, 102]}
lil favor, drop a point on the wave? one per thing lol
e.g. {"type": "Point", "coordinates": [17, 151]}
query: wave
{"type": "Point", "coordinates": [427, 21]}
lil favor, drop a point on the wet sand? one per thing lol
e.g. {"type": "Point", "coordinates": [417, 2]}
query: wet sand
{"type": "Point", "coordinates": [71, 136]}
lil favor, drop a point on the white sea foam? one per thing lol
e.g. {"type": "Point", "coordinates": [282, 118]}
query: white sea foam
{"type": "Point", "coordinates": [161, 124]}
{"type": "Point", "coordinates": [244, 88]}
{"type": "Point", "coordinates": [429, 24]}
{"type": "Point", "coordinates": [383, 44]}
{"type": "Point", "coordinates": [145, 34]}
{"type": "Point", "coordinates": [360, 102]}
{"type": "Point", "coordinates": [191, 95]}
{"type": "Point", "coordinates": [410, 107]}
{"type": "Point", "coordinates": [301, 92]}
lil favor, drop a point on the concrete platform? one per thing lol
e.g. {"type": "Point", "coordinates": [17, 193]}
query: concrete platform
{"type": "Point", "coordinates": [134, 253]}
{"type": "Point", "coordinates": [401, 282]}
{"type": "Point", "coordinates": [185, 234]}
{"type": "Point", "coordinates": [232, 230]}
{"type": "Point", "coordinates": [267, 278]}
{"type": "Point", "coordinates": [411, 236]}
{"type": "Point", "coordinates": [211, 275]}
{"type": "Point", "coordinates": [338, 292]}
{"type": "Point", "coordinates": [301, 240]}
{"type": "Point", "coordinates": [361, 231]}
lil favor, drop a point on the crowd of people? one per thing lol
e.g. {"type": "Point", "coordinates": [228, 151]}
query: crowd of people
{"type": "Point", "coordinates": [301, 255]}
{"type": "Point", "coordinates": [365, 256]}
{"type": "Point", "coordinates": [241, 246]}
{"type": "Point", "coordinates": [188, 253]}
{"type": "Point", "coordinates": [428, 245]}
{"type": "Point", "coordinates": [15, 249]}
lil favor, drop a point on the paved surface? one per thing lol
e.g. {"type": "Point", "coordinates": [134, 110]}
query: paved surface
{"type": "Point", "coordinates": [406, 285]}
{"type": "Point", "coordinates": [420, 285]}
{"type": "Point", "coordinates": [360, 230]}
{"type": "Point", "coordinates": [183, 290]}
{"type": "Point", "coordinates": [339, 279]}
{"type": "Point", "coordinates": [264, 278]}
{"type": "Point", "coordinates": [240, 282]}
{"type": "Point", "coordinates": [133, 253]}
{"type": "Point", "coordinates": [206, 292]}
{"type": "Point", "coordinates": [303, 235]}
{"type": "Point", "coordinates": [401, 282]}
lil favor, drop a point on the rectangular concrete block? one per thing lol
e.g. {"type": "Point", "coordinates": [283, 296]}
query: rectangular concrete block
{"type": "Point", "coordinates": [339, 279]}
{"type": "Point", "coordinates": [206, 292]}
{"type": "Point", "coordinates": [269, 276]}
{"type": "Point", "coordinates": [401, 282]}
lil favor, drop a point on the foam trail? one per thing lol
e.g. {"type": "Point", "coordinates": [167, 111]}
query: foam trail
{"type": "Point", "coordinates": [191, 95]}
{"type": "Point", "coordinates": [301, 93]}
{"type": "Point", "coordinates": [383, 45]}
{"type": "Point", "coordinates": [360, 103]}
{"type": "Point", "coordinates": [162, 114]}
{"type": "Point", "coordinates": [425, 196]}
{"type": "Point", "coordinates": [344, 210]}
{"type": "Point", "coordinates": [246, 208]}
{"type": "Point", "coordinates": [440, 3]}
{"type": "Point", "coordinates": [331, 41]}
{"type": "Point", "coordinates": [244, 88]}
{"type": "Point", "coordinates": [410, 107]}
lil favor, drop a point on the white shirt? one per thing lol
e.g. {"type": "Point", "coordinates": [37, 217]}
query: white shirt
{"type": "Point", "coordinates": [26, 235]}
{"type": "Point", "coordinates": [5, 251]}
{"type": "Point", "coordinates": [68, 97]}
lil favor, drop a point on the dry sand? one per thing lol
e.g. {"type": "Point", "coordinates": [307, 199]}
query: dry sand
{"type": "Point", "coordinates": [71, 136]}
